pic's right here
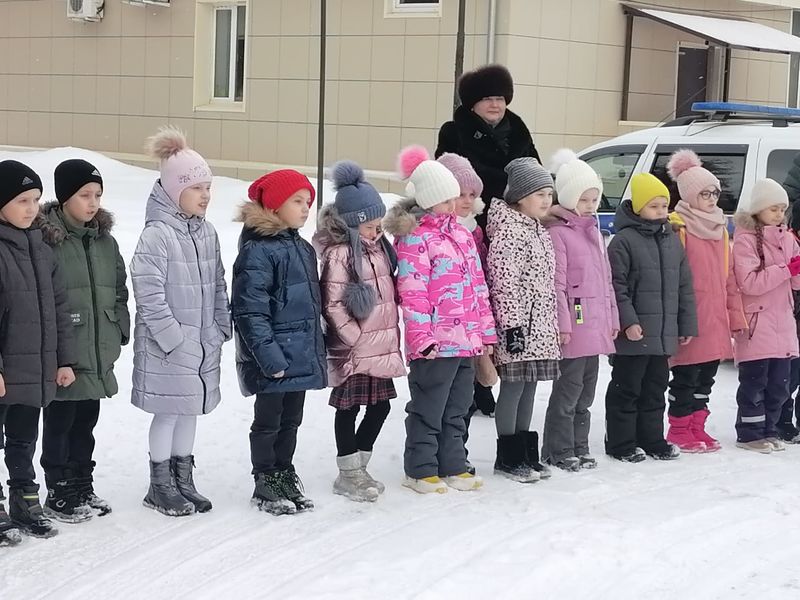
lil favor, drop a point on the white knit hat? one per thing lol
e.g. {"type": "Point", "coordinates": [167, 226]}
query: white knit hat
{"type": "Point", "coordinates": [429, 182]}
{"type": "Point", "coordinates": [573, 178]}
{"type": "Point", "coordinates": [766, 193]}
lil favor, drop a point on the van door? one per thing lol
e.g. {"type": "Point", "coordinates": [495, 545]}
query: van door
{"type": "Point", "coordinates": [779, 159]}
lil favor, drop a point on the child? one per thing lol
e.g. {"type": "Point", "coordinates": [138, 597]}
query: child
{"type": "Point", "coordinates": [182, 320]}
{"type": "Point", "coordinates": [588, 322]}
{"type": "Point", "coordinates": [766, 262]}
{"type": "Point", "coordinates": [79, 231]}
{"type": "Point", "coordinates": [447, 318]}
{"type": "Point", "coordinates": [655, 299]}
{"type": "Point", "coordinates": [521, 268]}
{"type": "Point", "coordinates": [363, 336]}
{"type": "Point", "coordinates": [36, 344]}
{"type": "Point", "coordinates": [703, 232]}
{"type": "Point", "coordinates": [280, 350]}
{"type": "Point", "coordinates": [791, 408]}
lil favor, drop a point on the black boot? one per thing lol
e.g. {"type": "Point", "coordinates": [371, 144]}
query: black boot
{"type": "Point", "coordinates": [26, 512]}
{"type": "Point", "coordinates": [9, 535]}
{"type": "Point", "coordinates": [293, 489]}
{"type": "Point", "coordinates": [269, 497]}
{"type": "Point", "coordinates": [509, 460]}
{"type": "Point", "coordinates": [63, 503]}
{"type": "Point", "coordinates": [530, 440]}
{"type": "Point", "coordinates": [182, 467]}
{"type": "Point", "coordinates": [84, 482]}
{"type": "Point", "coordinates": [163, 494]}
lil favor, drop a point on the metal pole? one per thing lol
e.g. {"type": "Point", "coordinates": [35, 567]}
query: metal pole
{"type": "Point", "coordinates": [462, 9]}
{"type": "Point", "coordinates": [492, 30]}
{"type": "Point", "coordinates": [323, 9]}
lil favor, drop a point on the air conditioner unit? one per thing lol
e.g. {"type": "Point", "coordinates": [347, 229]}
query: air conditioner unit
{"type": "Point", "coordinates": [85, 10]}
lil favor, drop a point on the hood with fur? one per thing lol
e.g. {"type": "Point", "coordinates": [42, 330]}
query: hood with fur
{"type": "Point", "coordinates": [331, 229]}
{"type": "Point", "coordinates": [744, 221]}
{"type": "Point", "coordinates": [260, 221]}
{"type": "Point", "coordinates": [403, 217]}
{"type": "Point", "coordinates": [54, 232]}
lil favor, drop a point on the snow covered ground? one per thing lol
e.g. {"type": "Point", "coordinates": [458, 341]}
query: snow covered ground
{"type": "Point", "coordinates": [720, 526]}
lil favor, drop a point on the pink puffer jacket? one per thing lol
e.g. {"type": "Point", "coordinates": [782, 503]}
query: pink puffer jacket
{"type": "Point", "coordinates": [443, 293]}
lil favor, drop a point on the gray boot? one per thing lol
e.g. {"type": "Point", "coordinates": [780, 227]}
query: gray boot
{"type": "Point", "coordinates": [352, 481]}
{"type": "Point", "coordinates": [365, 456]}
{"type": "Point", "coordinates": [182, 467]}
{"type": "Point", "coordinates": [163, 494]}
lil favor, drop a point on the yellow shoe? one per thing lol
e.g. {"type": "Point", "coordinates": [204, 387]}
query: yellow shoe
{"type": "Point", "coordinates": [426, 485]}
{"type": "Point", "coordinates": [464, 482]}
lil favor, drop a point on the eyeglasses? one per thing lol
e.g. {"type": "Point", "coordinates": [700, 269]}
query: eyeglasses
{"type": "Point", "coordinates": [707, 195]}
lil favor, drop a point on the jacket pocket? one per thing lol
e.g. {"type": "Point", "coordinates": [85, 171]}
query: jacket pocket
{"type": "Point", "coordinates": [84, 340]}
{"type": "Point", "coordinates": [297, 347]}
{"type": "Point", "coordinates": [751, 313]}
{"type": "Point", "coordinates": [114, 339]}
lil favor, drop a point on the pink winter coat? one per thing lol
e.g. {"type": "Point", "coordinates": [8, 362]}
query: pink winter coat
{"type": "Point", "coordinates": [766, 294]}
{"type": "Point", "coordinates": [583, 277]}
{"type": "Point", "coordinates": [371, 346]}
{"type": "Point", "coordinates": [443, 293]}
{"type": "Point", "coordinates": [717, 298]}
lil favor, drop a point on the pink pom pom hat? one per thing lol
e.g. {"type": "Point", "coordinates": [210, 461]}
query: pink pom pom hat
{"type": "Point", "coordinates": [686, 169]}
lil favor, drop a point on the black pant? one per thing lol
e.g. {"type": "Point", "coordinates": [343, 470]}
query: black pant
{"type": "Point", "coordinates": [348, 439]}
{"type": "Point", "coordinates": [791, 408]}
{"type": "Point", "coordinates": [763, 389]}
{"type": "Point", "coordinates": [273, 435]}
{"type": "Point", "coordinates": [68, 436]}
{"type": "Point", "coordinates": [690, 388]}
{"type": "Point", "coordinates": [21, 425]}
{"type": "Point", "coordinates": [635, 404]}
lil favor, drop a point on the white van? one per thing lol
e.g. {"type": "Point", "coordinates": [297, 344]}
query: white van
{"type": "Point", "coordinates": [739, 143]}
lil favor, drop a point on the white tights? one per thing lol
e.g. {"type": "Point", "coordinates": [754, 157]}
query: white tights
{"type": "Point", "coordinates": [171, 435]}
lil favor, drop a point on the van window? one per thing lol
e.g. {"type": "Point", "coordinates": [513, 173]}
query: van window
{"type": "Point", "coordinates": [615, 166]}
{"type": "Point", "coordinates": [726, 162]}
{"type": "Point", "coordinates": [784, 167]}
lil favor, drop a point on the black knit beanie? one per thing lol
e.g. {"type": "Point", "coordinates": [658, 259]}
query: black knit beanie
{"type": "Point", "coordinates": [72, 175]}
{"type": "Point", "coordinates": [15, 179]}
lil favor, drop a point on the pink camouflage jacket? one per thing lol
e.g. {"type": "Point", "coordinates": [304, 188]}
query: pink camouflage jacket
{"type": "Point", "coordinates": [440, 281]}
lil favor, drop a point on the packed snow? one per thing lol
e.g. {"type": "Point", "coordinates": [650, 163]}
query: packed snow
{"type": "Point", "coordinates": [707, 526]}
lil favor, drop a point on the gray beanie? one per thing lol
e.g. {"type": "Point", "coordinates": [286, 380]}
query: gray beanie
{"type": "Point", "coordinates": [525, 176]}
{"type": "Point", "coordinates": [356, 200]}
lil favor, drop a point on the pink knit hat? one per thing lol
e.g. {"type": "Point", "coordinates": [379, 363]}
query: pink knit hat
{"type": "Point", "coordinates": [686, 169]}
{"type": "Point", "coordinates": [462, 169]}
{"type": "Point", "coordinates": [181, 167]}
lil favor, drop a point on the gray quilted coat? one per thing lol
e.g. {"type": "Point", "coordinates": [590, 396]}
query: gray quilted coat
{"type": "Point", "coordinates": [182, 312]}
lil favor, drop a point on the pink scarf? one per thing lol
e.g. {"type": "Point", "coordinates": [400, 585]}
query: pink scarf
{"type": "Point", "coordinates": [702, 224]}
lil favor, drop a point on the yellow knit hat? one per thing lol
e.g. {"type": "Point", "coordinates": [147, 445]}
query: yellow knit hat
{"type": "Point", "coordinates": [645, 187]}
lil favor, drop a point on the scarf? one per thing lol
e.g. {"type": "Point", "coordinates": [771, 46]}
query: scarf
{"type": "Point", "coordinates": [702, 224]}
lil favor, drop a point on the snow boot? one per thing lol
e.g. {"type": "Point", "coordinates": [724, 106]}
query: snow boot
{"type": "Point", "coordinates": [464, 482]}
{"type": "Point", "coordinates": [26, 512]}
{"type": "Point", "coordinates": [699, 418]}
{"type": "Point", "coordinates": [531, 455]}
{"type": "Point", "coordinates": [682, 434]}
{"type": "Point", "coordinates": [365, 457]}
{"type": "Point", "coordinates": [509, 461]}
{"type": "Point", "coordinates": [469, 467]}
{"type": "Point", "coordinates": [788, 432]}
{"type": "Point", "coordinates": [570, 463]}
{"type": "Point", "coordinates": [182, 468]}
{"type": "Point", "coordinates": [352, 481]}
{"type": "Point", "coordinates": [163, 495]}
{"type": "Point", "coordinates": [84, 482]}
{"type": "Point", "coordinates": [293, 489]}
{"type": "Point", "coordinates": [426, 485]}
{"type": "Point", "coordinates": [762, 446]}
{"type": "Point", "coordinates": [63, 503]}
{"type": "Point", "coordinates": [587, 461]}
{"type": "Point", "coordinates": [638, 455]}
{"type": "Point", "coordinates": [268, 495]}
{"type": "Point", "coordinates": [670, 452]}
{"type": "Point", "coordinates": [9, 535]}
{"type": "Point", "coordinates": [777, 444]}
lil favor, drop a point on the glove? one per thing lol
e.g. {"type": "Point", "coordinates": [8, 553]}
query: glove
{"type": "Point", "coordinates": [515, 340]}
{"type": "Point", "coordinates": [794, 266]}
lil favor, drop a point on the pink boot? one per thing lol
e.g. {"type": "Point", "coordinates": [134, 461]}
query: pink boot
{"type": "Point", "coordinates": [699, 430]}
{"type": "Point", "coordinates": [681, 434]}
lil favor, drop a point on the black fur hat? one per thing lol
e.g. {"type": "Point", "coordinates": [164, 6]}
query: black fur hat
{"type": "Point", "coordinates": [489, 80]}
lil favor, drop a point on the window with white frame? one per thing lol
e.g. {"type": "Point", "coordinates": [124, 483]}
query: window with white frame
{"type": "Point", "coordinates": [410, 8]}
{"type": "Point", "coordinates": [230, 33]}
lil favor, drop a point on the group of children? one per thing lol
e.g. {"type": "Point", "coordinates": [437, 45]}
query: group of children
{"type": "Point", "coordinates": [537, 295]}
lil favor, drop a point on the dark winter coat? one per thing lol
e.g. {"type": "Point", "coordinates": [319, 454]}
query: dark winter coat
{"type": "Point", "coordinates": [792, 182]}
{"type": "Point", "coordinates": [488, 148]}
{"type": "Point", "coordinates": [36, 336]}
{"type": "Point", "coordinates": [276, 305]}
{"type": "Point", "coordinates": [653, 284]}
{"type": "Point", "coordinates": [182, 315]}
{"type": "Point", "coordinates": [94, 273]}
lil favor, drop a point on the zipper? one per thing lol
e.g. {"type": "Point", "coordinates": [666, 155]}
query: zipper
{"type": "Point", "coordinates": [202, 304]}
{"type": "Point", "coordinates": [375, 273]}
{"type": "Point", "coordinates": [661, 274]}
{"type": "Point", "coordinates": [316, 303]}
{"type": "Point", "coordinates": [94, 305]}
{"type": "Point", "coordinates": [41, 312]}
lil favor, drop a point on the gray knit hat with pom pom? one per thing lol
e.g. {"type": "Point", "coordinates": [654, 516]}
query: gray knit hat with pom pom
{"type": "Point", "coordinates": [356, 200]}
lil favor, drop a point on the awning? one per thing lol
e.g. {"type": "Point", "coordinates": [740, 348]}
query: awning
{"type": "Point", "coordinates": [730, 33]}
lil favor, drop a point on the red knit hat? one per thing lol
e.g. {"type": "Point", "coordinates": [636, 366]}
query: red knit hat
{"type": "Point", "coordinates": [273, 189]}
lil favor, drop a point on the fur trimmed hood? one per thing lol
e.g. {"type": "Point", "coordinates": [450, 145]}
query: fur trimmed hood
{"type": "Point", "coordinates": [54, 231]}
{"type": "Point", "coordinates": [744, 221]}
{"type": "Point", "coordinates": [331, 229]}
{"type": "Point", "coordinates": [261, 221]}
{"type": "Point", "coordinates": [403, 217]}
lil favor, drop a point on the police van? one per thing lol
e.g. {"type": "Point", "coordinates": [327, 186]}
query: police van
{"type": "Point", "coordinates": [739, 143]}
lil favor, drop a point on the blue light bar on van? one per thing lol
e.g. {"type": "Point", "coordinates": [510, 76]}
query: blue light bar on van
{"type": "Point", "coordinates": [745, 109]}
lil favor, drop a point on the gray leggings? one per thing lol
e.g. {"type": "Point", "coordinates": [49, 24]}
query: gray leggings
{"type": "Point", "coordinates": [514, 406]}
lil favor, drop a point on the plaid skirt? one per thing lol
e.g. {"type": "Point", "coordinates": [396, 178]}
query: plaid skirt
{"type": "Point", "coordinates": [529, 370]}
{"type": "Point", "coordinates": [362, 390]}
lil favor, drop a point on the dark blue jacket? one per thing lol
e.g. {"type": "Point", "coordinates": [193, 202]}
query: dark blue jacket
{"type": "Point", "coordinates": [276, 307]}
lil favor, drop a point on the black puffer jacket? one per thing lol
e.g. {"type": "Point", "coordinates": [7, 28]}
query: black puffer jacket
{"type": "Point", "coordinates": [653, 284]}
{"type": "Point", "coordinates": [36, 336]}
{"type": "Point", "coordinates": [488, 148]}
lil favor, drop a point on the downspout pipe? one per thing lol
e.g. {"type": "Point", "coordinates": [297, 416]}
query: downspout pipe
{"type": "Point", "coordinates": [490, 38]}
